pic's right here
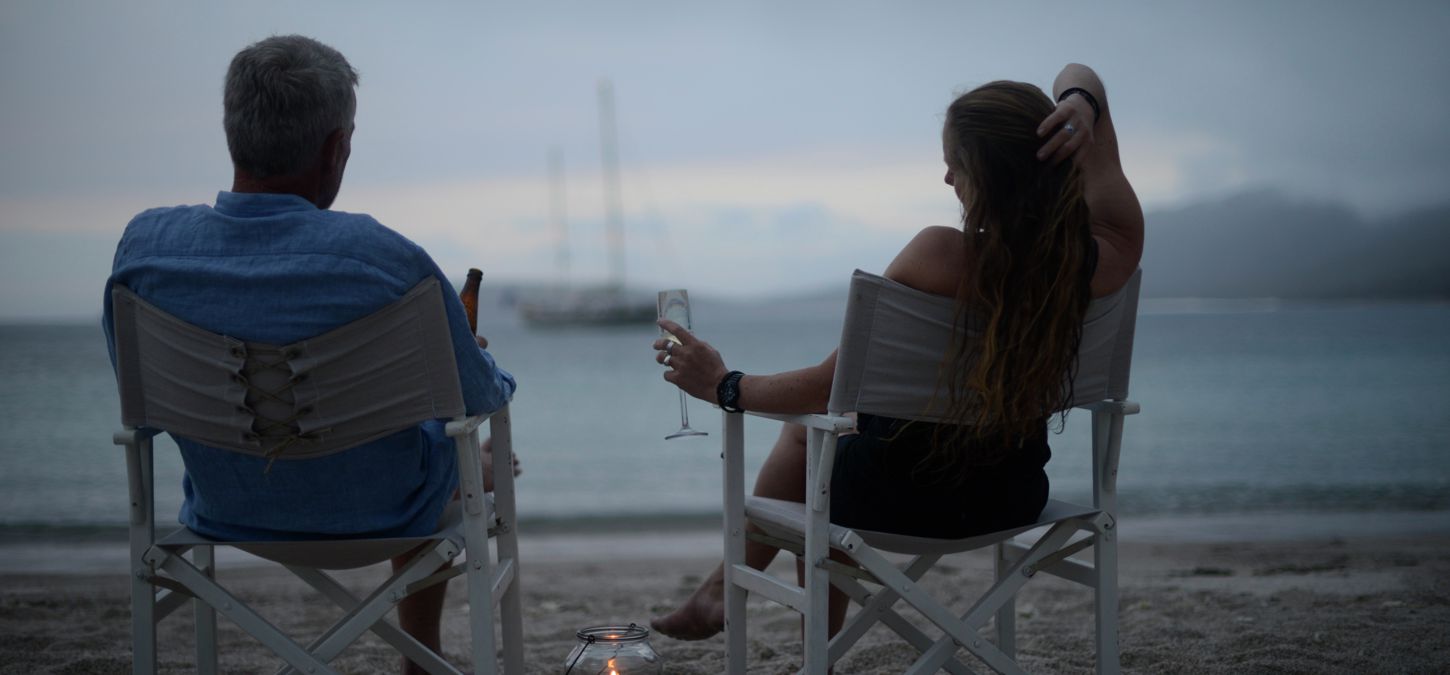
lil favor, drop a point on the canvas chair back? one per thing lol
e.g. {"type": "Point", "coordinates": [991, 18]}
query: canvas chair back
{"type": "Point", "coordinates": [387, 371]}
{"type": "Point", "coordinates": [894, 339]}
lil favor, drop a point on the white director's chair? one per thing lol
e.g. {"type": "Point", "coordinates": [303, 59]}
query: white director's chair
{"type": "Point", "coordinates": [892, 346]}
{"type": "Point", "coordinates": [381, 374]}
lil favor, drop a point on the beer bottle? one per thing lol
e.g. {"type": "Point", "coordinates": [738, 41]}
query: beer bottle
{"type": "Point", "coordinates": [469, 295]}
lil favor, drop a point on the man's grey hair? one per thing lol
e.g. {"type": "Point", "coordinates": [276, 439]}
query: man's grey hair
{"type": "Point", "coordinates": [283, 96]}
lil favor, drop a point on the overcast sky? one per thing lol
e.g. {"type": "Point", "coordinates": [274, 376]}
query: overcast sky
{"type": "Point", "coordinates": [767, 147]}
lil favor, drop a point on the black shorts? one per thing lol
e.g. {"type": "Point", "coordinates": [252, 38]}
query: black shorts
{"type": "Point", "coordinates": [879, 483]}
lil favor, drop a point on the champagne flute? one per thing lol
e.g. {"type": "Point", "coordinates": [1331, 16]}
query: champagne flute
{"type": "Point", "coordinates": [675, 306]}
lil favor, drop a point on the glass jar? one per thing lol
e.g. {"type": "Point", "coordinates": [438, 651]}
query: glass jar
{"type": "Point", "coordinates": [613, 650]}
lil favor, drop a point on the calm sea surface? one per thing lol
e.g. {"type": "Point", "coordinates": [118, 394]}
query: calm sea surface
{"type": "Point", "coordinates": [1245, 409]}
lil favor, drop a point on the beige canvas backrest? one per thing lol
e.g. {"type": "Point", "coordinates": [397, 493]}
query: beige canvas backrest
{"type": "Point", "coordinates": [375, 376]}
{"type": "Point", "coordinates": [894, 339]}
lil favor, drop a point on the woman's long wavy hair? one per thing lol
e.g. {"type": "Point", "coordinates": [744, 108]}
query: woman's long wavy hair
{"type": "Point", "coordinates": [1026, 289]}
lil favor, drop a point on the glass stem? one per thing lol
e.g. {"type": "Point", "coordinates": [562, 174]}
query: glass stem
{"type": "Point", "coordinates": [684, 412]}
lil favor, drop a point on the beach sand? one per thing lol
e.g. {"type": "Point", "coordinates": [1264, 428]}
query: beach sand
{"type": "Point", "coordinates": [1317, 605]}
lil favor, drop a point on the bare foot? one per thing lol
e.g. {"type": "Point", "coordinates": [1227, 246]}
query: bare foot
{"type": "Point", "coordinates": [701, 617]}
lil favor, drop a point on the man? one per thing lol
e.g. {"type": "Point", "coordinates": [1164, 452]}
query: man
{"type": "Point", "coordinates": [270, 263]}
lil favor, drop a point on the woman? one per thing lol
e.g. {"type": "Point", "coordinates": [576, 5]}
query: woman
{"type": "Point", "coordinates": [1041, 237]}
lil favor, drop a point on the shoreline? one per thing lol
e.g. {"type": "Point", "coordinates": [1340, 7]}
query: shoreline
{"type": "Point", "coordinates": [100, 550]}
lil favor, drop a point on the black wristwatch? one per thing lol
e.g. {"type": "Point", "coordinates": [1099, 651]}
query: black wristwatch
{"type": "Point", "coordinates": [728, 392]}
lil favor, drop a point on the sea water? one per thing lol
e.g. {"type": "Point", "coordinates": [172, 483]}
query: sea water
{"type": "Point", "coordinates": [1246, 409]}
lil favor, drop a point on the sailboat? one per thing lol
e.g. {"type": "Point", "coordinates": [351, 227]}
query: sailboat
{"type": "Point", "coordinates": [609, 304]}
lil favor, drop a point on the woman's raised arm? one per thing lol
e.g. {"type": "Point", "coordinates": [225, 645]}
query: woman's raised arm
{"type": "Point", "coordinates": [1092, 142]}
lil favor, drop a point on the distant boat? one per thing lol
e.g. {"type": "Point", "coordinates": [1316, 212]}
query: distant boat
{"type": "Point", "coordinates": [599, 308]}
{"type": "Point", "coordinates": [609, 304]}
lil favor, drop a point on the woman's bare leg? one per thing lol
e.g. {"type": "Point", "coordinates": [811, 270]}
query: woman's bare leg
{"type": "Point", "coordinates": [783, 476]}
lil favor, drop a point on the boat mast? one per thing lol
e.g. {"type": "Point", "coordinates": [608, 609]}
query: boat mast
{"type": "Point", "coordinates": [613, 204]}
{"type": "Point", "coordinates": [557, 214]}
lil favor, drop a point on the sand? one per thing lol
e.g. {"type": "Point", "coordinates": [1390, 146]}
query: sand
{"type": "Point", "coordinates": [1306, 606]}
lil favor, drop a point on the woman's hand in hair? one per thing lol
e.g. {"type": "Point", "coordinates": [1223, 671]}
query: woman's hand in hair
{"type": "Point", "coordinates": [1062, 143]}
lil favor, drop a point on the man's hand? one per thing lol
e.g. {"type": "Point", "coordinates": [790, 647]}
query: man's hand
{"type": "Point", "coordinates": [487, 450]}
{"type": "Point", "coordinates": [694, 365]}
{"type": "Point", "coordinates": [481, 340]}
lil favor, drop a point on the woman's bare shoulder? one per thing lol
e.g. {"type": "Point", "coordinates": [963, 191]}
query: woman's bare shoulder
{"type": "Point", "coordinates": [932, 261]}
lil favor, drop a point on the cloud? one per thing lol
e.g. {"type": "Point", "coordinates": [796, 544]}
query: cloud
{"type": "Point", "coordinates": [807, 130]}
{"type": "Point", "coordinates": [1169, 168]}
{"type": "Point", "coordinates": [700, 221]}
{"type": "Point", "coordinates": [735, 228]}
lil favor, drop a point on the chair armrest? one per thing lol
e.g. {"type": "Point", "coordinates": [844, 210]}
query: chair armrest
{"type": "Point", "coordinates": [461, 426]}
{"type": "Point", "coordinates": [822, 463]}
{"type": "Point", "coordinates": [832, 423]}
{"type": "Point", "coordinates": [131, 435]}
{"type": "Point", "coordinates": [1124, 407]}
{"type": "Point", "coordinates": [138, 462]}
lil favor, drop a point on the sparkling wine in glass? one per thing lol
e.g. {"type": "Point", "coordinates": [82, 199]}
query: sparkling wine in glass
{"type": "Point", "coordinates": [675, 306]}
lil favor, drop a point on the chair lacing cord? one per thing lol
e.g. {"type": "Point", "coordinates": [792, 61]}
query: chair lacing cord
{"type": "Point", "coordinates": [264, 425]}
{"type": "Point", "coordinates": [272, 454]}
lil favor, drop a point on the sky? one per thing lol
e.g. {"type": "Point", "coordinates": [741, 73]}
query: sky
{"type": "Point", "coordinates": [766, 147]}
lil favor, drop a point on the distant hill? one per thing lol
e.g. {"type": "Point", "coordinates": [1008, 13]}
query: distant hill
{"type": "Point", "coordinates": [1262, 244]}
{"type": "Point", "coordinates": [1258, 244]}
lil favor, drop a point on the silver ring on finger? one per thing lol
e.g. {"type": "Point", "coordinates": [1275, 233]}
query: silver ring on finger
{"type": "Point", "coordinates": [1069, 128]}
{"type": "Point", "coordinates": [669, 347]}
{"type": "Point", "coordinates": [666, 362]}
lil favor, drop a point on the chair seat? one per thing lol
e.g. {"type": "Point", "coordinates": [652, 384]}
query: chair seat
{"type": "Point", "coordinates": [337, 554]}
{"type": "Point", "coordinates": [787, 520]}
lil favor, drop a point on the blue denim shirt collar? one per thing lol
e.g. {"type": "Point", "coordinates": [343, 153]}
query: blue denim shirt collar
{"type": "Point", "coordinates": [252, 204]}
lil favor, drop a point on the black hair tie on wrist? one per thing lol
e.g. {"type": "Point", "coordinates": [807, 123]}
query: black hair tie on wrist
{"type": "Point", "coordinates": [1087, 96]}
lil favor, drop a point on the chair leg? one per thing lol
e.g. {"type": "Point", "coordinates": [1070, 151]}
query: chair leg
{"type": "Point", "coordinates": [204, 557]}
{"type": "Point", "coordinates": [735, 650]}
{"type": "Point", "coordinates": [481, 613]}
{"type": "Point", "coordinates": [1105, 564]}
{"type": "Point", "coordinates": [143, 623]}
{"type": "Point", "coordinates": [878, 607]}
{"type": "Point", "coordinates": [962, 632]}
{"type": "Point", "coordinates": [406, 645]}
{"type": "Point", "coordinates": [1007, 614]}
{"type": "Point", "coordinates": [817, 579]}
{"type": "Point", "coordinates": [510, 612]}
{"type": "Point", "coordinates": [240, 614]}
{"type": "Point", "coordinates": [376, 605]}
{"type": "Point", "coordinates": [142, 535]}
{"type": "Point", "coordinates": [476, 516]}
{"type": "Point", "coordinates": [510, 608]}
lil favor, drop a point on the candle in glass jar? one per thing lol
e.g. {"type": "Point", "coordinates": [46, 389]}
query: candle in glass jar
{"type": "Point", "coordinates": [615, 650]}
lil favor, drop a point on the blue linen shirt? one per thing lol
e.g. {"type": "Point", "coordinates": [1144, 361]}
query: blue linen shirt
{"type": "Point", "coordinates": [274, 268]}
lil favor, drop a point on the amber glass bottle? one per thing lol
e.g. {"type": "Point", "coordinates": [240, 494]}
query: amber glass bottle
{"type": "Point", "coordinates": [469, 295]}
